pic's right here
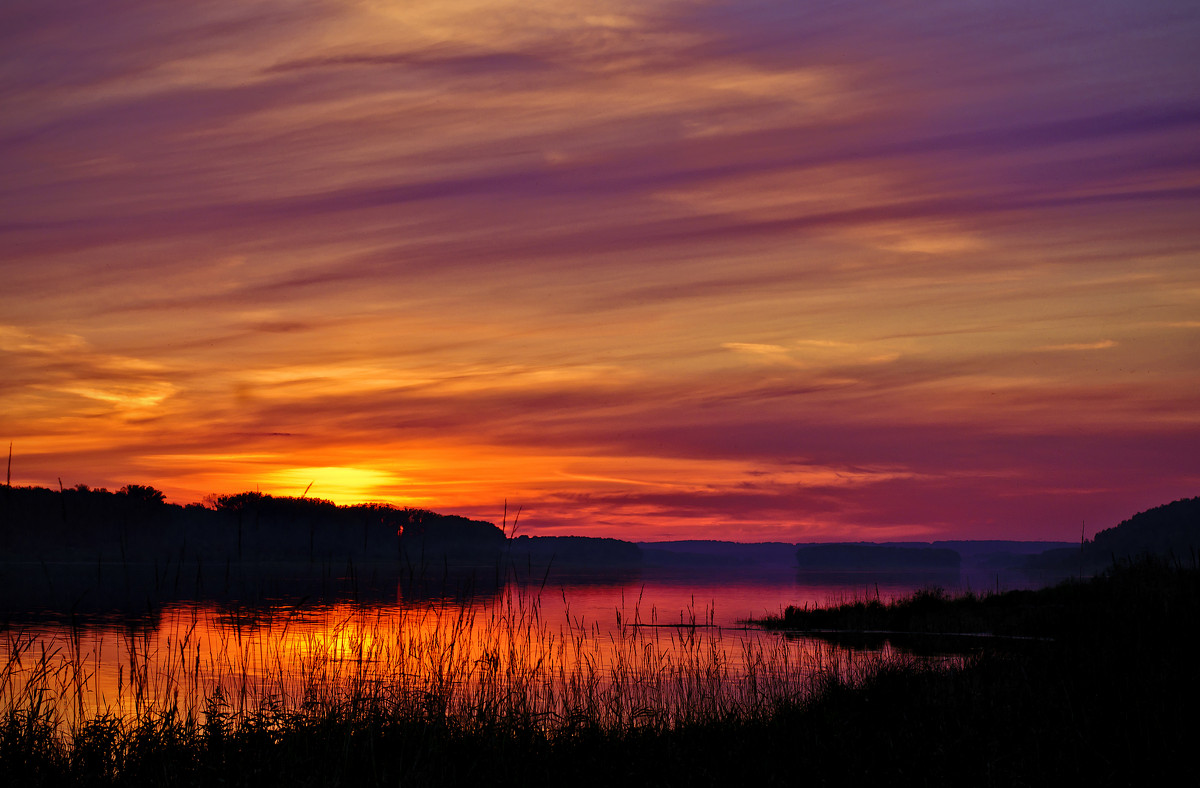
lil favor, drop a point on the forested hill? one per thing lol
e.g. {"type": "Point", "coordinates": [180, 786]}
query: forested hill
{"type": "Point", "coordinates": [1171, 528]}
{"type": "Point", "coordinates": [1170, 531]}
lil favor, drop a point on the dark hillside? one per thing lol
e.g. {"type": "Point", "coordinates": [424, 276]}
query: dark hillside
{"type": "Point", "coordinates": [1172, 528]}
{"type": "Point", "coordinates": [1170, 531]}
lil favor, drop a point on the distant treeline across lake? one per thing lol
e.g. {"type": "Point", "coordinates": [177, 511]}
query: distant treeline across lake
{"type": "Point", "coordinates": [135, 525]}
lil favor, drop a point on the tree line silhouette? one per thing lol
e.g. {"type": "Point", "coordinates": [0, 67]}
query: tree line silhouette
{"type": "Point", "coordinates": [134, 523]}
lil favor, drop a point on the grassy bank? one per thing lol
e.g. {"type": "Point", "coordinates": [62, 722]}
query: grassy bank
{"type": "Point", "coordinates": [1143, 594]}
{"type": "Point", "coordinates": [1109, 698]}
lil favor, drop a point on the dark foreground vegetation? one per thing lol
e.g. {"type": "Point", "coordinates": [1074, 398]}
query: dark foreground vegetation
{"type": "Point", "coordinates": [1139, 595]}
{"type": "Point", "coordinates": [1108, 697]}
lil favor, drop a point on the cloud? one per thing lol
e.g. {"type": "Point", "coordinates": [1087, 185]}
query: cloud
{"type": "Point", "coordinates": [42, 367]}
{"type": "Point", "coordinates": [757, 349]}
{"type": "Point", "coordinates": [528, 239]}
{"type": "Point", "coordinates": [1103, 344]}
{"type": "Point", "coordinates": [461, 62]}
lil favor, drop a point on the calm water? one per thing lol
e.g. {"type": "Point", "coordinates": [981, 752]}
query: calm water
{"type": "Point", "coordinates": [119, 640]}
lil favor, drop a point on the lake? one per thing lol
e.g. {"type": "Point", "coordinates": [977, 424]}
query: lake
{"type": "Point", "coordinates": [123, 640]}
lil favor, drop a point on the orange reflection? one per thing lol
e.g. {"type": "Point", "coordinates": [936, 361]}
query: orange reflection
{"type": "Point", "coordinates": [508, 656]}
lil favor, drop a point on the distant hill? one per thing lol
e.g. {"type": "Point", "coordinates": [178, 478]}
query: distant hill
{"type": "Point", "coordinates": [573, 551]}
{"type": "Point", "coordinates": [978, 554]}
{"type": "Point", "coordinates": [700, 553]}
{"type": "Point", "coordinates": [983, 549]}
{"type": "Point", "coordinates": [842, 557]}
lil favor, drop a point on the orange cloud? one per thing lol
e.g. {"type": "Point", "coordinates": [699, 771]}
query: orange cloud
{"type": "Point", "coordinates": [645, 268]}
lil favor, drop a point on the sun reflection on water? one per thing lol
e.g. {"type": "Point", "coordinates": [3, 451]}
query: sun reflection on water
{"type": "Point", "coordinates": [509, 655]}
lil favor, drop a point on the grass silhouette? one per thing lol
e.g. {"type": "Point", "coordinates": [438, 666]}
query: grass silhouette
{"type": "Point", "coordinates": [454, 697]}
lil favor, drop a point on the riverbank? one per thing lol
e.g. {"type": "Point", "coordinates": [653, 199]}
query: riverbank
{"type": "Point", "coordinates": [1141, 593]}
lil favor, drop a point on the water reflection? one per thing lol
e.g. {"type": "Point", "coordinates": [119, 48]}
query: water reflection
{"type": "Point", "coordinates": [667, 642]}
{"type": "Point", "coordinates": [454, 654]}
{"type": "Point", "coordinates": [82, 592]}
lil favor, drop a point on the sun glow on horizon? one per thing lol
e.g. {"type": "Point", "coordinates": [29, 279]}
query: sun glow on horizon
{"type": "Point", "coordinates": [342, 485]}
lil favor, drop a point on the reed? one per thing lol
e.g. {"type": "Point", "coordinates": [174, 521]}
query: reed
{"type": "Point", "coordinates": [447, 694]}
{"type": "Point", "coordinates": [499, 667]}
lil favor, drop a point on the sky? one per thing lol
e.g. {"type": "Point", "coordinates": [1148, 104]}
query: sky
{"type": "Point", "coordinates": [735, 269]}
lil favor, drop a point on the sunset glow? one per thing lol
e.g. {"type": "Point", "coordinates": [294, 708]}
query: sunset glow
{"type": "Point", "coordinates": [735, 270]}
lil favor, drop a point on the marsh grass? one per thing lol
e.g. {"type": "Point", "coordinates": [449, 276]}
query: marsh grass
{"type": "Point", "coordinates": [450, 695]}
{"type": "Point", "coordinates": [205, 683]}
{"type": "Point", "coordinates": [1128, 591]}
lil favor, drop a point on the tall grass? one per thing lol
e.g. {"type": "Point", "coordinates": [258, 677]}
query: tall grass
{"type": "Point", "coordinates": [452, 695]}
{"type": "Point", "coordinates": [205, 675]}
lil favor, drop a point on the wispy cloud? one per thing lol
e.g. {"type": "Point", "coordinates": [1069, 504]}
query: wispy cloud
{"type": "Point", "coordinates": [1103, 344]}
{"type": "Point", "coordinates": [42, 368]}
{"type": "Point", "coordinates": [540, 246]}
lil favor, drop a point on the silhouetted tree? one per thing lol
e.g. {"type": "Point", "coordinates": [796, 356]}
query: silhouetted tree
{"type": "Point", "coordinates": [141, 493]}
